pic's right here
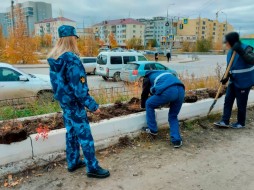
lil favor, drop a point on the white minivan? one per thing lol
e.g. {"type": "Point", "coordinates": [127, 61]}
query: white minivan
{"type": "Point", "coordinates": [110, 64]}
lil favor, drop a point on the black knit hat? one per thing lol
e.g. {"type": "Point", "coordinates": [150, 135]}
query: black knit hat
{"type": "Point", "coordinates": [232, 38]}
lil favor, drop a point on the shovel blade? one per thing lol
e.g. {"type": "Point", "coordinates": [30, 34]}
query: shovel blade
{"type": "Point", "coordinates": [212, 106]}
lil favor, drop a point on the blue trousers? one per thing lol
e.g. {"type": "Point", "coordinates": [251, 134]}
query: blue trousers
{"type": "Point", "coordinates": [241, 96]}
{"type": "Point", "coordinates": [79, 134]}
{"type": "Point", "coordinates": [174, 96]}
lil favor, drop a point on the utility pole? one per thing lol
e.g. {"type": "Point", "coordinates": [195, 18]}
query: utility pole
{"type": "Point", "coordinates": [226, 27]}
{"type": "Point", "coordinates": [166, 33]}
{"type": "Point", "coordinates": [217, 14]}
{"type": "Point", "coordinates": [12, 14]}
{"type": "Point", "coordinates": [171, 34]}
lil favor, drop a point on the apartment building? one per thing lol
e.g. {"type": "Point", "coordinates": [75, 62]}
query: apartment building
{"type": "Point", "coordinates": [33, 12]}
{"type": "Point", "coordinates": [50, 26]}
{"type": "Point", "coordinates": [203, 28]}
{"type": "Point", "coordinates": [123, 29]}
{"type": "Point", "coordinates": [3, 24]}
{"type": "Point", "coordinates": [158, 28]}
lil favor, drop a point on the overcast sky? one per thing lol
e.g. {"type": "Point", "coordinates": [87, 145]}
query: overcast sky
{"type": "Point", "coordinates": [240, 13]}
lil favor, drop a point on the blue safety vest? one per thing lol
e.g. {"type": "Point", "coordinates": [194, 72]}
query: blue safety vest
{"type": "Point", "coordinates": [241, 72]}
{"type": "Point", "coordinates": [161, 80]}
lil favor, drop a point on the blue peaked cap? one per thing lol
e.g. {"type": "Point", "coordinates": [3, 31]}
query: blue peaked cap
{"type": "Point", "coordinates": [66, 30]}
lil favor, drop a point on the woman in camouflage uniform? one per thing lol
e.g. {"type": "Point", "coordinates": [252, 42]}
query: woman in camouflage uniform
{"type": "Point", "coordinates": [69, 83]}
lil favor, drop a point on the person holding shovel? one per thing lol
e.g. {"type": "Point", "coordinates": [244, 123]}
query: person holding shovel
{"type": "Point", "coordinates": [69, 83]}
{"type": "Point", "coordinates": [241, 79]}
{"type": "Point", "coordinates": [165, 88]}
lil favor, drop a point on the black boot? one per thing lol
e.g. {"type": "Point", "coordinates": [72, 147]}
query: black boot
{"type": "Point", "coordinates": [80, 164]}
{"type": "Point", "coordinates": [98, 173]}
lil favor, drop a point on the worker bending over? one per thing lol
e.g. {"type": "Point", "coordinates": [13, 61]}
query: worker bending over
{"type": "Point", "coordinates": [165, 89]}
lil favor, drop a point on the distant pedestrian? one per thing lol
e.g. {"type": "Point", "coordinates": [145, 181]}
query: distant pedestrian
{"type": "Point", "coordinates": [241, 80]}
{"type": "Point", "coordinates": [69, 83]}
{"type": "Point", "coordinates": [169, 56]}
{"type": "Point", "coordinates": [156, 56]}
{"type": "Point", "coordinates": [165, 89]}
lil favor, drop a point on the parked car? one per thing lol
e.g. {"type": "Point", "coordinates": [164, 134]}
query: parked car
{"type": "Point", "coordinates": [89, 64]}
{"type": "Point", "coordinates": [149, 52]}
{"type": "Point", "coordinates": [104, 49]}
{"type": "Point", "coordinates": [15, 83]}
{"type": "Point", "coordinates": [135, 71]}
{"type": "Point", "coordinates": [110, 64]}
{"type": "Point", "coordinates": [132, 50]}
{"type": "Point", "coordinates": [118, 49]}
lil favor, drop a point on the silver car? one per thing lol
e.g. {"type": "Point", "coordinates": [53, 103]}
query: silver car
{"type": "Point", "coordinates": [89, 64]}
{"type": "Point", "coordinates": [15, 83]}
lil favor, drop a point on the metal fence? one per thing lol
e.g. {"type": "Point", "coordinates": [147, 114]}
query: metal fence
{"type": "Point", "coordinates": [31, 106]}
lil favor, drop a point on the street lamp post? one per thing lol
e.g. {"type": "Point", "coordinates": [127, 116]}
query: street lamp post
{"type": "Point", "coordinates": [12, 14]}
{"type": "Point", "coordinates": [226, 28]}
{"type": "Point", "coordinates": [166, 31]}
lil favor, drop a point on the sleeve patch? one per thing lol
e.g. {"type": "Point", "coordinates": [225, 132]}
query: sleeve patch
{"type": "Point", "coordinates": [82, 80]}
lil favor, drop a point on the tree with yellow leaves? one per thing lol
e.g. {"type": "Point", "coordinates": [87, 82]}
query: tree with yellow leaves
{"type": "Point", "coordinates": [2, 43]}
{"type": "Point", "coordinates": [88, 45]}
{"type": "Point", "coordinates": [112, 40]}
{"type": "Point", "coordinates": [134, 43]}
{"type": "Point", "coordinates": [20, 47]}
{"type": "Point", "coordinates": [101, 42]}
{"type": "Point", "coordinates": [46, 40]}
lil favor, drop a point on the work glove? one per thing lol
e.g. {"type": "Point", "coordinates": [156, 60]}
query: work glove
{"type": "Point", "coordinates": [238, 48]}
{"type": "Point", "coordinates": [224, 80]}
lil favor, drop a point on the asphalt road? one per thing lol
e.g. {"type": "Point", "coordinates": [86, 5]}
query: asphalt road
{"type": "Point", "coordinates": [205, 66]}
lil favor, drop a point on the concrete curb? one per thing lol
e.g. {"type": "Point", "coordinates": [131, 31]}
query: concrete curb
{"type": "Point", "coordinates": [105, 133]}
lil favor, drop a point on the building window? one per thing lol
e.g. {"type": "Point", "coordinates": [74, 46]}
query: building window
{"type": "Point", "coordinates": [214, 24]}
{"type": "Point", "coordinates": [134, 26]}
{"type": "Point", "coordinates": [213, 33]}
{"type": "Point", "coordinates": [134, 31]}
{"type": "Point", "coordinates": [203, 32]}
{"type": "Point", "coordinates": [203, 27]}
{"type": "Point", "coordinates": [203, 22]}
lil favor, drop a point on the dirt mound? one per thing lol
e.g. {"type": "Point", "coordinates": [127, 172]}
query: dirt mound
{"type": "Point", "coordinates": [14, 131]}
{"type": "Point", "coordinates": [212, 92]}
{"type": "Point", "coordinates": [134, 101]}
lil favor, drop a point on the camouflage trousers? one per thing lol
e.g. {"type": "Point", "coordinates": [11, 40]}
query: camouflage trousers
{"type": "Point", "coordinates": [79, 134]}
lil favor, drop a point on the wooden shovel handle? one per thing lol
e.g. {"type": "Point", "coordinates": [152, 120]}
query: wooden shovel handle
{"type": "Point", "coordinates": [226, 74]}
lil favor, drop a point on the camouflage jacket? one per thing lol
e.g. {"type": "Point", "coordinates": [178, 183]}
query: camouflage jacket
{"type": "Point", "coordinates": [69, 82]}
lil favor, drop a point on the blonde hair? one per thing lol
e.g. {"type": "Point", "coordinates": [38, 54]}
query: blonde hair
{"type": "Point", "coordinates": [65, 44]}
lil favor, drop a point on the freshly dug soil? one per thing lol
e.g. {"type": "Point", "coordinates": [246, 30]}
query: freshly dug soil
{"type": "Point", "coordinates": [15, 131]}
{"type": "Point", "coordinates": [200, 94]}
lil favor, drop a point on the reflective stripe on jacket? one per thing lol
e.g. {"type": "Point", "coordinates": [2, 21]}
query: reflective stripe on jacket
{"type": "Point", "coordinates": [242, 74]}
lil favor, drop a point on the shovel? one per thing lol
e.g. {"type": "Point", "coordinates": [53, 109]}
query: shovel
{"type": "Point", "coordinates": [221, 85]}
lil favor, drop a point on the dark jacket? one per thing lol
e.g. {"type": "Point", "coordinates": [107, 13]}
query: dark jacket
{"type": "Point", "coordinates": [246, 52]}
{"type": "Point", "coordinates": [242, 70]}
{"type": "Point", "coordinates": [156, 82]}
